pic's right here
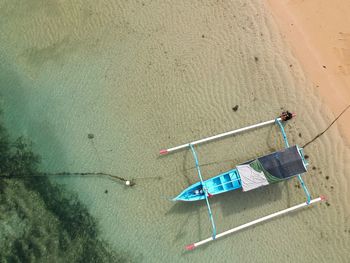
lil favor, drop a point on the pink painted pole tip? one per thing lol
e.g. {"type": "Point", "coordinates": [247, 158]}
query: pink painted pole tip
{"type": "Point", "coordinates": [323, 198]}
{"type": "Point", "coordinates": [162, 152]}
{"type": "Point", "coordinates": [190, 247]}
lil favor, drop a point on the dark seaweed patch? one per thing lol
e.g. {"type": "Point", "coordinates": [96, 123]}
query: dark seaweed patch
{"type": "Point", "coordinates": [65, 224]}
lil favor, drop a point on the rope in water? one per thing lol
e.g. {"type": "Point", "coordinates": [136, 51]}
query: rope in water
{"type": "Point", "coordinates": [132, 181]}
{"type": "Point", "coordinates": [44, 174]}
{"type": "Point", "coordinates": [329, 126]}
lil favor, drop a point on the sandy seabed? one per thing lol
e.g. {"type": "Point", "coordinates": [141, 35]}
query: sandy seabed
{"type": "Point", "coordinates": [144, 75]}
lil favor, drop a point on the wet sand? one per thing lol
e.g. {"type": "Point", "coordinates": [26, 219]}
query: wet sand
{"type": "Point", "coordinates": [318, 33]}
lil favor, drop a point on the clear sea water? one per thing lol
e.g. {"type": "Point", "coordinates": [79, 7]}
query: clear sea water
{"type": "Point", "coordinates": [145, 75]}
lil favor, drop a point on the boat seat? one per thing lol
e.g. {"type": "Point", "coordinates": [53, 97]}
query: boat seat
{"type": "Point", "coordinates": [226, 185]}
{"type": "Point", "coordinates": [218, 184]}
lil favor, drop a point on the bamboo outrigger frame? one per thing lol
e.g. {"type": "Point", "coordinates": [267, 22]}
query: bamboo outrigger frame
{"type": "Point", "coordinates": [285, 116]}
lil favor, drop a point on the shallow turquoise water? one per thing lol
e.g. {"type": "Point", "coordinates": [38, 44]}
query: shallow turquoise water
{"type": "Point", "coordinates": [144, 77]}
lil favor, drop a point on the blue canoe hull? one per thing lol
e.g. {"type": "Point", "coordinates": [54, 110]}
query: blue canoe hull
{"type": "Point", "coordinates": [219, 184]}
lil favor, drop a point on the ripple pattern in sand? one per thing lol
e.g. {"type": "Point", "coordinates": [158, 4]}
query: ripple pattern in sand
{"type": "Point", "coordinates": [144, 75]}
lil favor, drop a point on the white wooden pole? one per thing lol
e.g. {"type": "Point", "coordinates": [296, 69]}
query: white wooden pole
{"type": "Point", "coordinates": [262, 219]}
{"type": "Point", "coordinates": [166, 151]}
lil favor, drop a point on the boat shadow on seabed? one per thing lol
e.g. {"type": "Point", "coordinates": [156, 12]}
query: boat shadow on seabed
{"type": "Point", "coordinates": [229, 204]}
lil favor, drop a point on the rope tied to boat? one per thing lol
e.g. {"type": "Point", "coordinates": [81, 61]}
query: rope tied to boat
{"type": "Point", "coordinates": [328, 127]}
{"type": "Point", "coordinates": [128, 182]}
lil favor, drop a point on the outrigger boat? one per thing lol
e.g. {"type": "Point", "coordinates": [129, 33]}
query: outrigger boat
{"type": "Point", "coordinates": [274, 167]}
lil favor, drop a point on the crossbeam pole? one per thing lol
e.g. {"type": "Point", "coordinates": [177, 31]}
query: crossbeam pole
{"type": "Point", "coordinates": [221, 135]}
{"type": "Point", "coordinates": [257, 221]}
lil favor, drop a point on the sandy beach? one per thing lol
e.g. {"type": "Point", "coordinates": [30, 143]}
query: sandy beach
{"type": "Point", "coordinates": [319, 35]}
{"type": "Point", "coordinates": [147, 75]}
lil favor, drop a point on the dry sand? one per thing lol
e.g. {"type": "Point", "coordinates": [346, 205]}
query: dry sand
{"type": "Point", "coordinates": [319, 34]}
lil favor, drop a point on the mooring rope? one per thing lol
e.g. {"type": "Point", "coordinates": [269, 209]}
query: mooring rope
{"type": "Point", "coordinates": [131, 182]}
{"type": "Point", "coordinates": [330, 125]}
{"type": "Point", "coordinates": [45, 174]}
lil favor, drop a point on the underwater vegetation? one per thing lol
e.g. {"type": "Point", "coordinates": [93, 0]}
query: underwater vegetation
{"type": "Point", "coordinates": [39, 220]}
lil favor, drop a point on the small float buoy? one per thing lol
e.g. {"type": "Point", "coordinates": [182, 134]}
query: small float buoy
{"type": "Point", "coordinates": [128, 183]}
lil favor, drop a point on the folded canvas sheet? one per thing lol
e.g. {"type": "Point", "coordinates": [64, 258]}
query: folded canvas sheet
{"type": "Point", "coordinates": [250, 178]}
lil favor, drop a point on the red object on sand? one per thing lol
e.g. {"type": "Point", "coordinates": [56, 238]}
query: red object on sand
{"type": "Point", "coordinates": [190, 247]}
{"type": "Point", "coordinates": [162, 152]}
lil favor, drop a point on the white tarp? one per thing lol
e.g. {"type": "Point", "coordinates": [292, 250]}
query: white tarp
{"type": "Point", "coordinates": [250, 178]}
